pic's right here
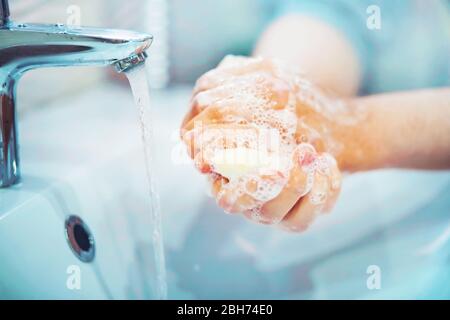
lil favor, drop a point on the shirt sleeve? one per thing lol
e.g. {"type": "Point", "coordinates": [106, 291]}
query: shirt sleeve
{"type": "Point", "coordinates": [346, 15]}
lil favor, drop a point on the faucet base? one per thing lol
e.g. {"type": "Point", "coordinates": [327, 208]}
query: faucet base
{"type": "Point", "coordinates": [9, 154]}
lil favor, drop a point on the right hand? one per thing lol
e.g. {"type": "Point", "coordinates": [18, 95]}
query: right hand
{"type": "Point", "coordinates": [242, 96]}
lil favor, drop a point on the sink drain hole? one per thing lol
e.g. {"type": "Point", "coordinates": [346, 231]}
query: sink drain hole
{"type": "Point", "coordinates": [80, 239]}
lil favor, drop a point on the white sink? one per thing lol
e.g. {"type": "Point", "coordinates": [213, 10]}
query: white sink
{"type": "Point", "coordinates": [84, 158]}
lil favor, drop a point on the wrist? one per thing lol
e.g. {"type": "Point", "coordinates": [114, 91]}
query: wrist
{"type": "Point", "coordinates": [360, 145]}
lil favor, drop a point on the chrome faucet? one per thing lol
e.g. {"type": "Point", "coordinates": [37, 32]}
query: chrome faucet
{"type": "Point", "coordinates": [29, 46]}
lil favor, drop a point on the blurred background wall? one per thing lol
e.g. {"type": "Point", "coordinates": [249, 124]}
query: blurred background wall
{"type": "Point", "coordinates": [38, 87]}
{"type": "Point", "coordinates": [191, 36]}
{"type": "Point", "coordinates": [206, 30]}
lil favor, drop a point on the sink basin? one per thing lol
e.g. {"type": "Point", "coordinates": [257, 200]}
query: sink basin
{"type": "Point", "coordinates": [71, 162]}
{"type": "Point", "coordinates": [83, 158]}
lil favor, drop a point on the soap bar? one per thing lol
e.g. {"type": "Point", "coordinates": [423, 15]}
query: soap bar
{"type": "Point", "coordinates": [236, 162]}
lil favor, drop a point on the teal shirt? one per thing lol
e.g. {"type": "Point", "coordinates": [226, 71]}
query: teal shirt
{"type": "Point", "coordinates": [410, 50]}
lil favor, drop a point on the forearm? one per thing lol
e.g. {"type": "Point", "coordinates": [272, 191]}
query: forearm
{"type": "Point", "coordinates": [315, 48]}
{"type": "Point", "coordinates": [401, 130]}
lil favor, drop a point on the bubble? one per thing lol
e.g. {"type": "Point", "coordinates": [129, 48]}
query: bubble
{"type": "Point", "coordinates": [255, 213]}
{"type": "Point", "coordinates": [335, 184]}
{"type": "Point", "coordinates": [257, 94]}
{"type": "Point", "coordinates": [318, 198]}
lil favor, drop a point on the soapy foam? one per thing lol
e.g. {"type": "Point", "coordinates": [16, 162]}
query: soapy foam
{"type": "Point", "coordinates": [253, 91]}
{"type": "Point", "coordinates": [267, 178]}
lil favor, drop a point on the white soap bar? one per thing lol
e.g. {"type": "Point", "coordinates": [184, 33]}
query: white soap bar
{"type": "Point", "coordinates": [236, 162]}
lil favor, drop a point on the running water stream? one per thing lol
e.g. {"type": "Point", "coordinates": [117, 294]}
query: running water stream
{"type": "Point", "coordinates": [139, 86]}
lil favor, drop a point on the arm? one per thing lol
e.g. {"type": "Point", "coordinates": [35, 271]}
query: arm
{"type": "Point", "coordinates": [407, 130]}
{"type": "Point", "coordinates": [319, 50]}
{"type": "Point", "coordinates": [402, 130]}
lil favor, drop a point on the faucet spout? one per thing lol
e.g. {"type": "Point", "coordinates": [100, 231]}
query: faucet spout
{"type": "Point", "coordinates": [29, 46]}
{"type": "Point", "coordinates": [130, 62]}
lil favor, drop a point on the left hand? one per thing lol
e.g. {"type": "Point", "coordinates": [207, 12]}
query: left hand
{"type": "Point", "coordinates": [239, 98]}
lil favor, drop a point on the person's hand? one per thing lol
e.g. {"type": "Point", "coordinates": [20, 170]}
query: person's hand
{"type": "Point", "coordinates": [264, 136]}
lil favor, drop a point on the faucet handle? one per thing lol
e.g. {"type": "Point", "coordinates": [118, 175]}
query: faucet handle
{"type": "Point", "coordinates": [4, 12]}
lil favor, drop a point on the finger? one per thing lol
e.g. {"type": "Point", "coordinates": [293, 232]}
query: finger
{"type": "Point", "coordinates": [232, 204]}
{"type": "Point", "coordinates": [308, 207]}
{"type": "Point", "coordinates": [255, 216]}
{"type": "Point", "coordinates": [230, 61]}
{"type": "Point", "coordinates": [204, 99]}
{"type": "Point", "coordinates": [245, 94]}
{"type": "Point", "coordinates": [335, 181]}
{"type": "Point", "coordinates": [232, 200]}
{"type": "Point", "coordinates": [224, 199]}
{"type": "Point", "coordinates": [229, 114]}
{"type": "Point", "coordinates": [299, 183]}
{"type": "Point", "coordinates": [244, 195]}
{"type": "Point", "coordinates": [240, 109]}
{"type": "Point", "coordinates": [228, 69]}
{"type": "Point", "coordinates": [201, 163]}
{"type": "Point", "coordinates": [216, 181]}
{"type": "Point", "coordinates": [191, 114]}
{"type": "Point", "coordinates": [306, 134]}
{"type": "Point", "coordinates": [211, 140]}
